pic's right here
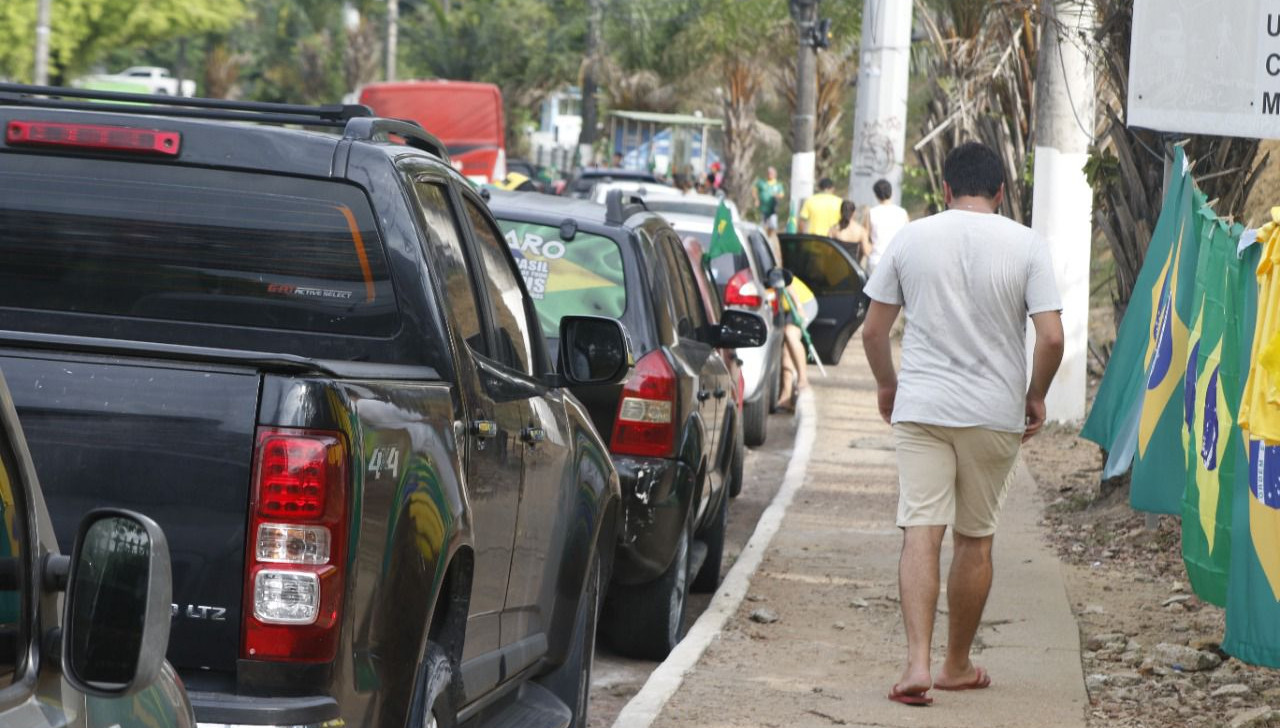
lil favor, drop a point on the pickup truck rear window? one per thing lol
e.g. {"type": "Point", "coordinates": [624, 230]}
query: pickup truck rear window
{"type": "Point", "coordinates": [580, 277]}
{"type": "Point", "coordinates": [205, 246]}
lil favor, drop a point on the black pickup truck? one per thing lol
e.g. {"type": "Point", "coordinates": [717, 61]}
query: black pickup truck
{"type": "Point", "coordinates": [311, 359]}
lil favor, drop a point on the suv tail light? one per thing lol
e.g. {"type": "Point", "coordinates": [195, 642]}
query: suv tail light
{"type": "Point", "coordinates": [742, 290]}
{"type": "Point", "coordinates": [297, 544]}
{"type": "Point", "coordinates": [645, 425]}
{"type": "Point", "coordinates": [93, 136]}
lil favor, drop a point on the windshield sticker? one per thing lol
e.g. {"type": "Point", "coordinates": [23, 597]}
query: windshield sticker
{"type": "Point", "coordinates": [580, 277]}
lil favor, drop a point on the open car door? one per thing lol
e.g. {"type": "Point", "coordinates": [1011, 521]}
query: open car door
{"type": "Point", "coordinates": [837, 282]}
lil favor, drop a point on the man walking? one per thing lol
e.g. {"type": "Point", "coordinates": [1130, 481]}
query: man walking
{"type": "Point", "coordinates": [884, 220]}
{"type": "Point", "coordinates": [768, 193]}
{"type": "Point", "coordinates": [821, 211]}
{"type": "Point", "coordinates": [967, 278]}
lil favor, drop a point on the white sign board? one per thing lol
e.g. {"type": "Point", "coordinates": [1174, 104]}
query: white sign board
{"type": "Point", "coordinates": [1206, 67]}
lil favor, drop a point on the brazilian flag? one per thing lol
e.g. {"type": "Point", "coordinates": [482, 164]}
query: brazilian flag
{"type": "Point", "coordinates": [1214, 379]}
{"type": "Point", "coordinates": [1113, 421]}
{"type": "Point", "coordinates": [724, 237]}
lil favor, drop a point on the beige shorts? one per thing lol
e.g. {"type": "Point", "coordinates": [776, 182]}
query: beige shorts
{"type": "Point", "coordinates": [953, 476]}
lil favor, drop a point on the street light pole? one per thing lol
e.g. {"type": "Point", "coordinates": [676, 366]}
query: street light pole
{"type": "Point", "coordinates": [43, 11]}
{"type": "Point", "coordinates": [587, 135]}
{"type": "Point", "coordinates": [393, 23]}
{"type": "Point", "coordinates": [803, 120]}
{"type": "Point", "coordinates": [880, 115]}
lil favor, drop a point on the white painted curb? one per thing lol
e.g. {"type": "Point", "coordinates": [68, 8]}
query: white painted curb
{"type": "Point", "coordinates": [644, 708]}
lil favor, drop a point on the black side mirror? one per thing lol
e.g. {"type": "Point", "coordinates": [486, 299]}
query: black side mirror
{"type": "Point", "coordinates": [778, 278]}
{"type": "Point", "coordinates": [594, 350]}
{"type": "Point", "coordinates": [741, 329]}
{"type": "Point", "coordinates": [116, 624]}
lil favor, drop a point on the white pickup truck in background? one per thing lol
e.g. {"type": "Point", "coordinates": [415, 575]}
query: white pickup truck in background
{"type": "Point", "coordinates": [153, 79]}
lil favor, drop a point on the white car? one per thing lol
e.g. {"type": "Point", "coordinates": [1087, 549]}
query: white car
{"type": "Point", "coordinates": [157, 80]}
{"type": "Point", "coordinates": [741, 279]}
{"type": "Point", "coordinates": [691, 204]}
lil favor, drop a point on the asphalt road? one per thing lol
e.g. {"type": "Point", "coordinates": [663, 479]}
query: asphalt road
{"type": "Point", "coordinates": [615, 679]}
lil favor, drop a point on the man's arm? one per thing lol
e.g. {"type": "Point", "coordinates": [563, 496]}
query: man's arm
{"type": "Point", "coordinates": [875, 342]}
{"type": "Point", "coordinates": [1045, 359]}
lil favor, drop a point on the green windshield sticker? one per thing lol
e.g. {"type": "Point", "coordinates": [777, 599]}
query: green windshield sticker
{"type": "Point", "coordinates": [579, 277]}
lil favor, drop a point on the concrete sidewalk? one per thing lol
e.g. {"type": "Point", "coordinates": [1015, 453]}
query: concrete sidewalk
{"type": "Point", "coordinates": [830, 576]}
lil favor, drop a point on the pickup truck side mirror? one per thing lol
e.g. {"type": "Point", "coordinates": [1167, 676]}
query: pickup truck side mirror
{"type": "Point", "coordinates": [778, 278]}
{"type": "Point", "coordinates": [741, 329]}
{"type": "Point", "coordinates": [594, 350]}
{"type": "Point", "coordinates": [116, 624]}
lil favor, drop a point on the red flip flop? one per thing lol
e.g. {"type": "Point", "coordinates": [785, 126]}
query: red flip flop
{"type": "Point", "coordinates": [918, 699]}
{"type": "Point", "coordinates": [981, 679]}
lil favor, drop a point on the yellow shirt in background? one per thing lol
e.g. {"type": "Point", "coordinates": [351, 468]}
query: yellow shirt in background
{"type": "Point", "coordinates": [820, 212]}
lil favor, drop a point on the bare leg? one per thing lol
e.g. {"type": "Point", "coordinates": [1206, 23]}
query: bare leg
{"type": "Point", "coordinates": [968, 585]}
{"type": "Point", "coordinates": [918, 580]}
{"type": "Point", "coordinates": [795, 349]}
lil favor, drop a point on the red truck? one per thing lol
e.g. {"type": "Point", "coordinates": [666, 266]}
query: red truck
{"type": "Point", "coordinates": [466, 116]}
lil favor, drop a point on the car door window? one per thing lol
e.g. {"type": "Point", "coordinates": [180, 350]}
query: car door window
{"type": "Point", "coordinates": [13, 568]}
{"type": "Point", "coordinates": [433, 200]}
{"type": "Point", "coordinates": [680, 299]}
{"type": "Point", "coordinates": [683, 275]}
{"type": "Point", "coordinates": [506, 295]}
{"type": "Point", "coordinates": [822, 266]}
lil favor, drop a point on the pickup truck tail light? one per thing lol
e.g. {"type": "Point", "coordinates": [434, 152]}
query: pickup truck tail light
{"type": "Point", "coordinates": [645, 424]}
{"type": "Point", "coordinates": [297, 545]}
{"type": "Point", "coordinates": [742, 290]}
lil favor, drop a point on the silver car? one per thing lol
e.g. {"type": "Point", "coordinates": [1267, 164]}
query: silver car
{"type": "Point", "coordinates": [91, 657]}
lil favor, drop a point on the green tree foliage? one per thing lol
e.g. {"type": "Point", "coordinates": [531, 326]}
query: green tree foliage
{"type": "Point", "coordinates": [83, 32]}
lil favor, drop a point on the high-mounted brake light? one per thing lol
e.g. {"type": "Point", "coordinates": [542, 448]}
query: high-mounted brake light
{"type": "Point", "coordinates": [742, 290]}
{"type": "Point", "coordinates": [297, 545]}
{"type": "Point", "coordinates": [93, 136]}
{"type": "Point", "coordinates": [645, 423]}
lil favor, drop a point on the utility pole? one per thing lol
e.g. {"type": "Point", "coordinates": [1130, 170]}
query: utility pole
{"type": "Point", "coordinates": [1062, 202]}
{"type": "Point", "coordinates": [880, 116]}
{"type": "Point", "coordinates": [587, 135]}
{"type": "Point", "coordinates": [43, 11]}
{"type": "Point", "coordinates": [393, 30]}
{"type": "Point", "coordinates": [805, 13]}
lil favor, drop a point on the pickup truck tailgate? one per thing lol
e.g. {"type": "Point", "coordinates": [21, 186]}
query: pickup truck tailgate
{"type": "Point", "coordinates": [169, 440]}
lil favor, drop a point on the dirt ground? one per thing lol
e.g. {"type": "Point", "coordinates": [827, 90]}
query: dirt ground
{"type": "Point", "coordinates": [1129, 591]}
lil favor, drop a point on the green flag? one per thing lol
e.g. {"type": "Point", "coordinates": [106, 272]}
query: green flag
{"type": "Point", "coordinates": [1212, 387]}
{"type": "Point", "coordinates": [1113, 421]}
{"type": "Point", "coordinates": [1253, 592]}
{"type": "Point", "coordinates": [724, 238]}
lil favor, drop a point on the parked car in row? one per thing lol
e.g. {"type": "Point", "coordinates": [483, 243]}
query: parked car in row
{"type": "Point", "coordinates": [583, 183]}
{"type": "Point", "coordinates": [313, 361]}
{"type": "Point", "coordinates": [98, 660]}
{"type": "Point", "coordinates": [672, 424]}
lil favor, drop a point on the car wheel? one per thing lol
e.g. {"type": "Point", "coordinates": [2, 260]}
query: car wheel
{"type": "Point", "coordinates": [433, 702]}
{"type": "Point", "coordinates": [646, 621]}
{"type": "Point", "coordinates": [775, 384]}
{"type": "Point", "coordinates": [837, 349]}
{"type": "Point", "coordinates": [735, 479]}
{"type": "Point", "coordinates": [709, 575]}
{"type": "Point", "coordinates": [571, 682]}
{"type": "Point", "coordinates": [755, 417]}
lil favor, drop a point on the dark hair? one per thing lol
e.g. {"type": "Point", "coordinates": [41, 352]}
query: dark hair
{"type": "Point", "coordinates": [847, 208]}
{"type": "Point", "coordinates": [883, 189]}
{"type": "Point", "coordinates": [826, 184]}
{"type": "Point", "coordinates": [973, 169]}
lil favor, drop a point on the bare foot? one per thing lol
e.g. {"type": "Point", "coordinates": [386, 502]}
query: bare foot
{"type": "Point", "coordinates": [913, 683]}
{"type": "Point", "coordinates": [975, 678]}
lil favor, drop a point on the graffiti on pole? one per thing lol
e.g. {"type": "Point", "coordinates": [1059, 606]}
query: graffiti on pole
{"type": "Point", "coordinates": [876, 154]}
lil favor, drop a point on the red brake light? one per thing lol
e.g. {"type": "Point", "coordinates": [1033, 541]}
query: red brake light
{"type": "Point", "coordinates": [645, 423]}
{"type": "Point", "coordinates": [94, 136]}
{"type": "Point", "coordinates": [742, 290]}
{"type": "Point", "coordinates": [297, 544]}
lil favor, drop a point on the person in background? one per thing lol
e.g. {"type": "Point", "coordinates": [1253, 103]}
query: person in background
{"type": "Point", "coordinates": [822, 210]}
{"type": "Point", "coordinates": [851, 235]}
{"type": "Point", "coordinates": [884, 220]}
{"type": "Point", "coordinates": [617, 160]}
{"type": "Point", "coordinates": [768, 194]}
{"type": "Point", "coordinates": [795, 360]}
{"type": "Point", "coordinates": [963, 404]}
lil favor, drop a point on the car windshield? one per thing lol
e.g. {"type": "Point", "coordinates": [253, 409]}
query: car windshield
{"type": "Point", "coordinates": [583, 276]}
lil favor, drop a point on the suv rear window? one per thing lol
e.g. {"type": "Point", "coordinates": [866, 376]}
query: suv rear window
{"type": "Point", "coordinates": [580, 277]}
{"type": "Point", "coordinates": [191, 245]}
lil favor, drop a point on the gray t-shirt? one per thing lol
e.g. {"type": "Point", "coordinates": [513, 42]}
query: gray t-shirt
{"type": "Point", "coordinates": [967, 282]}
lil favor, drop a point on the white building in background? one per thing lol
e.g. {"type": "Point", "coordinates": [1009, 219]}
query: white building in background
{"type": "Point", "coordinates": [559, 125]}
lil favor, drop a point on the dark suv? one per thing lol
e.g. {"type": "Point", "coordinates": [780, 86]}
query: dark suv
{"type": "Point", "coordinates": [312, 359]}
{"type": "Point", "coordinates": [673, 423]}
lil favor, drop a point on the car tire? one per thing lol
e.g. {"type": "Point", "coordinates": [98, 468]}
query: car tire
{"type": "Point", "coordinates": [571, 682]}
{"type": "Point", "coordinates": [775, 384]}
{"type": "Point", "coordinates": [755, 420]}
{"type": "Point", "coordinates": [737, 466]}
{"type": "Point", "coordinates": [646, 621]}
{"type": "Point", "coordinates": [709, 575]}
{"type": "Point", "coordinates": [837, 349]}
{"type": "Point", "coordinates": [433, 705]}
